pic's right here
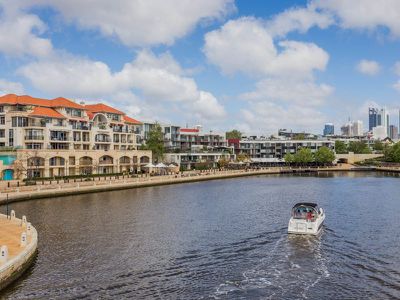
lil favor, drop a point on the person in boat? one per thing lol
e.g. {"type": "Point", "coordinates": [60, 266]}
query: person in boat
{"type": "Point", "coordinates": [309, 216]}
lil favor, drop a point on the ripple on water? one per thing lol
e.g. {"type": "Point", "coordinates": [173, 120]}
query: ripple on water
{"type": "Point", "coordinates": [224, 239]}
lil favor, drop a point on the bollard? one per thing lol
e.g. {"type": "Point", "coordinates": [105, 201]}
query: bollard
{"type": "Point", "coordinates": [23, 221]}
{"type": "Point", "coordinates": [23, 239]}
{"type": "Point", "coordinates": [3, 254]}
{"type": "Point", "coordinates": [29, 228]}
{"type": "Point", "coordinates": [12, 214]}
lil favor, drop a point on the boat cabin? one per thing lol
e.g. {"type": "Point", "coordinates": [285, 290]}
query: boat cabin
{"type": "Point", "coordinates": [305, 210]}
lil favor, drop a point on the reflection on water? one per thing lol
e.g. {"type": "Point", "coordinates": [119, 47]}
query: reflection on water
{"type": "Point", "coordinates": [224, 239]}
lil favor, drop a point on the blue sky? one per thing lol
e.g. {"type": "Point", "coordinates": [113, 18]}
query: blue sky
{"type": "Point", "coordinates": [253, 65]}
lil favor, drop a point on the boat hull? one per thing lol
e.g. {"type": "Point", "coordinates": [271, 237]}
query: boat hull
{"type": "Point", "coordinates": [301, 226]}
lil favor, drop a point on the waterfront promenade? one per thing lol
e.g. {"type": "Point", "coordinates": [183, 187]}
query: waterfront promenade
{"type": "Point", "coordinates": [59, 188]}
{"type": "Point", "coordinates": [18, 245]}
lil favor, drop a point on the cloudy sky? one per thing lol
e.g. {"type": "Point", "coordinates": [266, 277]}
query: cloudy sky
{"type": "Point", "coordinates": [253, 65]}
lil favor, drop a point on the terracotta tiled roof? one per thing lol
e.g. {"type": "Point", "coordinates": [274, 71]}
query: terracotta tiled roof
{"type": "Point", "coordinates": [192, 130]}
{"type": "Point", "coordinates": [28, 100]}
{"type": "Point", "coordinates": [131, 120]}
{"type": "Point", "coordinates": [90, 115]}
{"type": "Point", "coordinates": [63, 102]}
{"type": "Point", "coordinates": [39, 111]}
{"type": "Point", "coordinates": [103, 108]}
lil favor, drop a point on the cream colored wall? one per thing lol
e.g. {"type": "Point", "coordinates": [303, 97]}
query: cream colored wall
{"type": "Point", "coordinates": [95, 155]}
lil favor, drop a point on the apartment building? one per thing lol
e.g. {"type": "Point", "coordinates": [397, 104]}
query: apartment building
{"type": "Point", "coordinates": [60, 137]}
{"type": "Point", "coordinates": [191, 160]}
{"type": "Point", "coordinates": [177, 138]}
{"type": "Point", "coordinates": [267, 149]}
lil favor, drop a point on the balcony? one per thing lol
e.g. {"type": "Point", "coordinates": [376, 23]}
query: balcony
{"type": "Point", "coordinates": [59, 139]}
{"type": "Point", "coordinates": [104, 140]}
{"type": "Point", "coordinates": [34, 138]}
{"type": "Point", "coordinates": [80, 127]}
{"type": "Point", "coordinates": [36, 124]}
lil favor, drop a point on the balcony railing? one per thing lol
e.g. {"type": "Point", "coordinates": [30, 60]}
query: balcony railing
{"type": "Point", "coordinates": [106, 140]}
{"type": "Point", "coordinates": [80, 127]}
{"type": "Point", "coordinates": [59, 139]}
{"type": "Point", "coordinates": [34, 137]}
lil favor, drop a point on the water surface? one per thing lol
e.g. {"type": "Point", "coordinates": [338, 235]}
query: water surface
{"type": "Point", "coordinates": [222, 239]}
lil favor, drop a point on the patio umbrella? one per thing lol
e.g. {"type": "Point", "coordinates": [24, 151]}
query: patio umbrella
{"type": "Point", "coordinates": [161, 165]}
{"type": "Point", "coordinates": [150, 165]}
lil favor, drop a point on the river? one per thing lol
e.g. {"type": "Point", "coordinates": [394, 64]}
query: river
{"type": "Point", "coordinates": [222, 239]}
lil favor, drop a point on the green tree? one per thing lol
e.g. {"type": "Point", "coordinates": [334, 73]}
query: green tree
{"type": "Point", "coordinates": [289, 158]}
{"type": "Point", "coordinates": [299, 136]}
{"type": "Point", "coordinates": [340, 147]}
{"type": "Point", "coordinates": [359, 147]}
{"type": "Point", "coordinates": [233, 134]}
{"type": "Point", "coordinates": [324, 155]}
{"type": "Point", "coordinates": [392, 154]}
{"type": "Point", "coordinates": [242, 157]}
{"type": "Point", "coordinates": [222, 163]}
{"type": "Point", "coordinates": [155, 142]}
{"type": "Point", "coordinates": [378, 146]}
{"type": "Point", "coordinates": [304, 156]}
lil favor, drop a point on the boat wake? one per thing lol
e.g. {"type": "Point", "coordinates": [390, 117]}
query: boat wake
{"type": "Point", "coordinates": [292, 266]}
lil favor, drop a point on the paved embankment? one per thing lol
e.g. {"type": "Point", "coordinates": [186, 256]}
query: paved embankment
{"type": "Point", "coordinates": [18, 246]}
{"type": "Point", "coordinates": [62, 189]}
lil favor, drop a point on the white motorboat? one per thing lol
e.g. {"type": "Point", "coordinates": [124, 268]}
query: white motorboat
{"type": "Point", "coordinates": [306, 218]}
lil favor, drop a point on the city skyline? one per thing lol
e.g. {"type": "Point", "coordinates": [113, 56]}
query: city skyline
{"type": "Point", "coordinates": [229, 64]}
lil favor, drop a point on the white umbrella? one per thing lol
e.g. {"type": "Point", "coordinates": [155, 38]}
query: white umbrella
{"type": "Point", "coordinates": [161, 165]}
{"type": "Point", "coordinates": [171, 166]}
{"type": "Point", "coordinates": [150, 165]}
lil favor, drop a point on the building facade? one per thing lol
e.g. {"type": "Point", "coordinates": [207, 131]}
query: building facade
{"type": "Point", "coordinates": [352, 128]}
{"type": "Point", "coordinates": [60, 137]}
{"type": "Point", "coordinates": [393, 132]}
{"type": "Point", "coordinates": [190, 160]}
{"type": "Point", "coordinates": [177, 138]}
{"type": "Point", "coordinates": [264, 148]}
{"type": "Point", "coordinates": [329, 129]}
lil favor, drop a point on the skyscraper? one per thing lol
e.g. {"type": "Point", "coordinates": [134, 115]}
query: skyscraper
{"type": "Point", "coordinates": [352, 128]}
{"type": "Point", "coordinates": [373, 118]}
{"type": "Point", "coordinates": [384, 118]}
{"type": "Point", "coordinates": [329, 129]}
{"type": "Point", "coordinates": [394, 132]}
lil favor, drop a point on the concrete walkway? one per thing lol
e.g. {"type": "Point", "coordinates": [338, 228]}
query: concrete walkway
{"type": "Point", "coordinates": [18, 245]}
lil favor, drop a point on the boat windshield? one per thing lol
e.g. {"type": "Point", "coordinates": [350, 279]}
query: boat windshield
{"type": "Point", "coordinates": [304, 212]}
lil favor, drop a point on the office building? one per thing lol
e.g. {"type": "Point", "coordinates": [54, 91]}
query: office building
{"type": "Point", "coordinates": [329, 129]}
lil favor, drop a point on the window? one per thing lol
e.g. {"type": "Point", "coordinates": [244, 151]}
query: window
{"type": "Point", "coordinates": [1, 108]}
{"type": "Point", "coordinates": [11, 138]}
{"type": "Point", "coordinates": [19, 122]}
{"type": "Point", "coordinates": [2, 133]}
{"type": "Point", "coordinates": [33, 146]}
{"type": "Point", "coordinates": [2, 119]}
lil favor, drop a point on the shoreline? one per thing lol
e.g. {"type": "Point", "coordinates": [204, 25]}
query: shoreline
{"type": "Point", "coordinates": [25, 193]}
{"type": "Point", "coordinates": [20, 255]}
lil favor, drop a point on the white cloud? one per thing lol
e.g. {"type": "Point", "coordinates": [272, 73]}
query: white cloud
{"type": "Point", "coordinates": [368, 67]}
{"type": "Point", "coordinates": [10, 87]}
{"type": "Point", "coordinates": [300, 92]}
{"type": "Point", "coordinates": [138, 22]}
{"type": "Point", "coordinates": [366, 14]}
{"type": "Point", "coordinates": [158, 79]}
{"type": "Point", "coordinates": [267, 117]}
{"type": "Point", "coordinates": [396, 85]}
{"type": "Point", "coordinates": [298, 19]}
{"type": "Point", "coordinates": [20, 33]}
{"type": "Point", "coordinates": [252, 51]}
{"type": "Point", "coordinates": [286, 94]}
